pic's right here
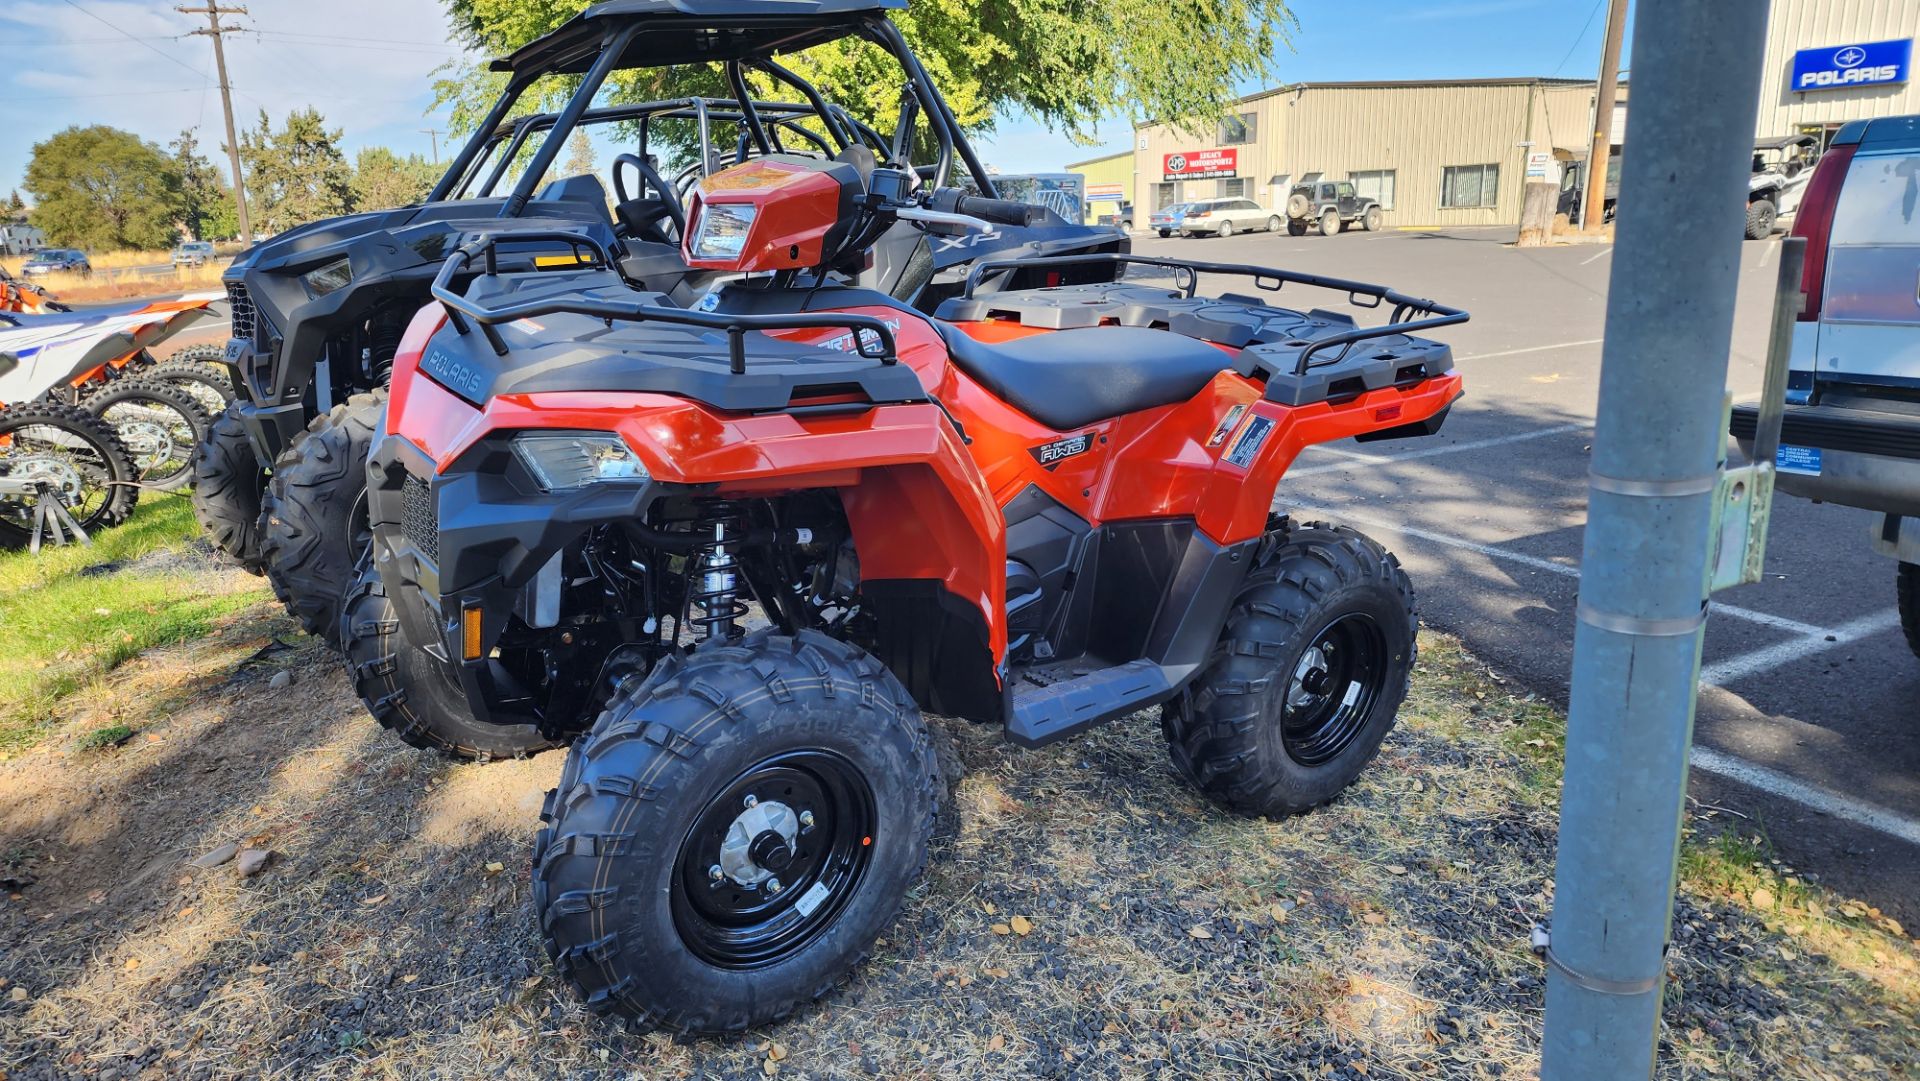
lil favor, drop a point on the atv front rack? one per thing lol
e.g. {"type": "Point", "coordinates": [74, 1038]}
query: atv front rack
{"type": "Point", "coordinates": [1187, 280]}
{"type": "Point", "coordinates": [880, 346]}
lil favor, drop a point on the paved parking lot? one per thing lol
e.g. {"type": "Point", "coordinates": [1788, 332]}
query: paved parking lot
{"type": "Point", "coordinates": [1810, 697]}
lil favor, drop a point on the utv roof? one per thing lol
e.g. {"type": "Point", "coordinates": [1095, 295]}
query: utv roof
{"type": "Point", "coordinates": [693, 31]}
{"type": "Point", "coordinates": [1778, 142]}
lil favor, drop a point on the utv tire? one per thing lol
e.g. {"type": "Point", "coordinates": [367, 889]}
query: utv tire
{"type": "Point", "coordinates": [102, 462]}
{"type": "Point", "coordinates": [1760, 218]}
{"type": "Point", "coordinates": [1330, 223]}
{"type": "Point", "coordinates": [1908, 587]}
{"type": "Point", "coordinates": [408, 691]}
{"type": "Point", "coordinates": [1306, 681]}
{"type": "Point", "coordinates": [1226, 229]}
{"type": "Point", "coordinates": [623, 875]}
{"type": "Point", "coordinates": [161, 424]}
{"type": "Point", "coordinates": [1296, 227]}
{"type": "Point", "coordinates": [1370, 221]}
{"type": "Point", "coordinates": [227, 483]}
{"type": "Point", "coordinates": [313, 518]}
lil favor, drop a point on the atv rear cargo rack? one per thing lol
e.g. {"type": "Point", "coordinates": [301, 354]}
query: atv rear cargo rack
{"type": "Point", "coordinates": [880, 346]}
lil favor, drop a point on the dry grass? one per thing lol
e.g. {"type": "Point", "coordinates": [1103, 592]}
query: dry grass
{"type": "Point", "coordinates": [1384, 936]}
{"type": "Point", "coordinates": [106, 283]}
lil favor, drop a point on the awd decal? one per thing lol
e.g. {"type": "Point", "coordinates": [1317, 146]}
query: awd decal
{"type": "Point", "coordinates": [1248, 444]}
{"type": "Point", "coordinates": [1050, 455]}
{"type": "Point", "coordinates": [1227, 422]}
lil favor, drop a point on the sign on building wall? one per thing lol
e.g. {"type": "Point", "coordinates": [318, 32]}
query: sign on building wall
{"type": "Point", "coordinates": [1841, 67]}
{"type": "Point", "coordinates": [1201, 164]}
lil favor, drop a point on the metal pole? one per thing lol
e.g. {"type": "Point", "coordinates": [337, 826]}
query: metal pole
{"type": "Point", "coordinates": [1656, 451]}
{"type": "Point", "coordinates": [1593, 205]}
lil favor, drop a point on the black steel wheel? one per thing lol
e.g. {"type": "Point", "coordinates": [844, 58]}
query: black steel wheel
{"type": "Point", "coordinates": [1311, 669]}
{"type": "Point", "coordinates": [797, 760]}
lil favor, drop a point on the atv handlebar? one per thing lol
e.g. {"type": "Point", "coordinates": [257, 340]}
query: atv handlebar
{"type": "Point", "coordinates": [880, 346]}
{"type": "Point", "coordinates": [998, 211]}
{"type": "Point", "coordinates": [1359, 294]}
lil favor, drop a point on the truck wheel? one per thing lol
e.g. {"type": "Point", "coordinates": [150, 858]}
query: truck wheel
{"type": "Point", "coordinates": [1296, 227]}
{"type": "Point", "coordinates": [408, 691]}
{"type": "Point", "coordinates": [160, 424]}
{"type": "Point", "coordinates": [227, 481]}
{"type": "Point", "coordinates": [313, 518]}
{"type": "Point", "coordinates": [1760, 216]}
{"type": "Point", "coordinates": [1370, 221]}
{"type": "Point", "coordinates": [733, 834]}
{"type": "Point", "coordinates": [1908, 588]}
{"type": "Point", "coordinates": [1330, 223]}
{"type": "Point", "coordinates": [1306, 681]}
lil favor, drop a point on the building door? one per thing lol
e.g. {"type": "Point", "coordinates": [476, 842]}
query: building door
{"type": "Point", "coordinates": [1165, 195]}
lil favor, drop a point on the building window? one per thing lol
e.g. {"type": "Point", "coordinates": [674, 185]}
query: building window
{"type": "Point", "coordinates": [1233, 187]}
{"type": "Point", "coordinates": [1239, 130]}
{"type": "Point", "coordinates": [1164, 196]}
{"type": "Point", "coordinates": [1469, 186]}
{"type": "Point", "coordinates": [1375, 184]}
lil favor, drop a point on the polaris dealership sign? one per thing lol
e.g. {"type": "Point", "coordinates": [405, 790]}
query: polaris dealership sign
{"type": "Point", "coordinates": [1839, 67]}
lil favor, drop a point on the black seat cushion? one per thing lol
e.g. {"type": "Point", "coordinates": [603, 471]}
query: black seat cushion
{"type": "Point", "coordinates": [1071, 378]}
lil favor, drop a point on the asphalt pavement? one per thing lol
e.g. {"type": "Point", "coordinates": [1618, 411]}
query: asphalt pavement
{"type": "Point", "coordinates": [1810, 697]}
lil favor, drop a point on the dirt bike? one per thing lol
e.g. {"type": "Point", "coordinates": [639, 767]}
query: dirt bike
{"type": "Point", "coordinates": [17, 295]}
{"type": "Point", "coordinates": [84, 422]}
{"type": "Point", "coordinates": [743, 546]}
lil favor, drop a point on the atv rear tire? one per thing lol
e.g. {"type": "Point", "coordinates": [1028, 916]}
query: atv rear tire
{"type": "Point", "coordinates": [313, 517]}
{"type": "Point", "coordinates": [634, 905]}
{"type": "Point", "coordinates": [99, 474]}
{"type": "Point", "coordinates": [161, 424]}
{"type": "Point", "coordinates": [1761, 214]}
{"type": "Point", "coordinates": [1908, 588]}
{"type": "Point", "coordinates": [408, 691]}
{"type": "Point", "coordinates": [1330, 223]}
{"type": "Point", "coordinates": [1306, 681]}
{"type": "Point", "coordinates": [227, 482]}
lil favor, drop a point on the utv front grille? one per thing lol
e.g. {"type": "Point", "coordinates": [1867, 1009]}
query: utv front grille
{"type": "Point", "coordinates": [246, 321]}
{"type": "Point", "coordinates": [420, 517]}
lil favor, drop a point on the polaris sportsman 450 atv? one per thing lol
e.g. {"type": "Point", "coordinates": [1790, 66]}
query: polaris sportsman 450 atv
{"type": "Point", "coordinates": [747, 544]}
{"type": "Point", "coordinates": [318, 311]}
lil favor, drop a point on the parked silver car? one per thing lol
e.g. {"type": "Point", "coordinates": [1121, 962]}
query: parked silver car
{"type": "Point", "coordinates": [1225, 217]}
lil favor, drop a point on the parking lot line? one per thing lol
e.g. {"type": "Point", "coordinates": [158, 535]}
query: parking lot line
{"type": "Point", "coordinates": [1597, 256]}
{"type": "Point", "coordinates": [1722, 672]}
{"type": "Point", "coordinates": [1708, 760]}
{"type": "Point", "coordinates": [1431, 452]}
{"type": "Point", "coordinates": [1531, 349]}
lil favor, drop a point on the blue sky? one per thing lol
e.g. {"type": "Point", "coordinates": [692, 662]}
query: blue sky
{"type": "Point", "coordinates": [367, 65]}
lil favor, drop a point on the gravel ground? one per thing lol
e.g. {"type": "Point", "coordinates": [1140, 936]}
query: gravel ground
{"type": "Point", "coordinates": [1084, 916]}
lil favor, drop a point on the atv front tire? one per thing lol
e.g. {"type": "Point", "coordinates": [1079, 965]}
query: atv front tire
{"type": "Point", "coordinates": [1908, 588]}
{"type": "Point", "coordinates": [313, 518]}
{"type": "Point", "coordinates": [1310, 671]}
{"type": "Point", "coordinates": [408, 691]}
{"type": "Point", "coordinates": [227, 482]}
{"type": "Point", "coordinates": [734, 833]}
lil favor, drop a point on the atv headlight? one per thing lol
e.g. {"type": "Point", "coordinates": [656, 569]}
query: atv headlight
{"type": "Point", "coordinates": [323, 280]}
{"type": "Point", "coordinates": [722, 232]}
{"type": "Point", "coordinates": [562, 461]}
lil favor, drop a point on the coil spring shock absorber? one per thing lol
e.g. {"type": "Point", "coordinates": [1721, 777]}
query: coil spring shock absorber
{"type": "Point", "coordinates": [714, 573]}
{"type": "Point", "coordinates": [383, 342]}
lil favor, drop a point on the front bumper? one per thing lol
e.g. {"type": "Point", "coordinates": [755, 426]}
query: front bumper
{"type": "Point", "coordinates": [479, 536]}
{"type": "Point", "coordinates": [1854, 456]}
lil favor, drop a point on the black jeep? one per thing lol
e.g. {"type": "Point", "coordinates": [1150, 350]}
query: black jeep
{"type": "Point", "coordinates": [1331, 204]}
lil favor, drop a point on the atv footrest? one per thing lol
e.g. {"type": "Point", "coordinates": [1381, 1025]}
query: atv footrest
{"type": "Point", "coordinates": [1063, 699]}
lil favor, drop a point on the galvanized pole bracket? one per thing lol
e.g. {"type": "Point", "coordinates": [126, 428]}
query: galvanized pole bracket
{"type": "Point", "coordinates": [1542, 944]}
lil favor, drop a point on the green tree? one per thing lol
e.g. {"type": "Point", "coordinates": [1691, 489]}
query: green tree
{"type": "Point", "coordinates": [383, 179]}
{"type": "Point", "coordinates": [1068, 63]}
{"type": "Point", "coordinates": [580, 155]}
{"type": "Point", "coordinates": [297, 174]}
{"type": "Point", "coordinates": [206, 202]}
{"type": "Point", "coordinates": [16, 207]}
{"type": "Point", "coordinates": [102, 188]}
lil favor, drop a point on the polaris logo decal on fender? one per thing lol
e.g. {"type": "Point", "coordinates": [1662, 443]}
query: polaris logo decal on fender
{"type": "Point", "coordinates": [450, 371]}
{"type": "Point", "coordinates": [1050, 455]}
{"type": "Point", "coordinates": [1248, 445]}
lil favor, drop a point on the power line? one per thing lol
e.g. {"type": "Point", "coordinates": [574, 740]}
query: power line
{"type": "Point", "coordinates": [360, 40]}
{"type": "Point", "coordinates": [142, 42]}
{"type": "Point", "coordinates": [114, 94]}
{"type": "Point", "coordinates": [1582, 36]}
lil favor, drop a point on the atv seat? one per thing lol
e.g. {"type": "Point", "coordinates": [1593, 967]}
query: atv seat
{"type": "Point", "coordinates": [1072, 378]}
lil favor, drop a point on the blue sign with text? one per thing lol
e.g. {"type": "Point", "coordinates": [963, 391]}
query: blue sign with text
{"type": "Point", "coordinates": [1839, 67]}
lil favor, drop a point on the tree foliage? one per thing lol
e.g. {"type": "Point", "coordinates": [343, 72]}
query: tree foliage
{"type": "Point", "coordinates": [99, 187]}
{"type": "Point", "coordinates": [1067, 63]}
{"type": "Point", "coordinates": [580, 160]}
{"type": "Point", "coordinates": [383, 179]}
{"type": "Point", "coordinates": [207, 210]}
{"type": "Point", "coordinates": [16, 206]}
{"type": "Point", "coordinates": [297, 174]}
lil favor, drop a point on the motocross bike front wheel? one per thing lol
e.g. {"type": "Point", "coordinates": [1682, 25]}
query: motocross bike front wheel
{"type": "Point", "coordinates": [196, 370]}
{"type": "Point", "coordinates": [227, 482]}
{"type": "Point", "coordinates": [734, 832]}
{"type": "Point", "coordinates": [1307, 679]}
{"type": "Point", "coordinates": [313, 517]}
{"type": "Point", "coordinates": [62, 452]}
{"type": "Point", "coordinates": [159, 423]}
{"type": "Point", "coordinates": [408, 691]}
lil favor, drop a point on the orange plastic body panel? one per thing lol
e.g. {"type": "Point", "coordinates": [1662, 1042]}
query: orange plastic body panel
{"type": "Point", "coordinates": [795, 209]}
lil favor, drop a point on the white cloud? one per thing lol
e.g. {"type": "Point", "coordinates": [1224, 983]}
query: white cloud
{"type": "Point", "coordinates": [367, 65]}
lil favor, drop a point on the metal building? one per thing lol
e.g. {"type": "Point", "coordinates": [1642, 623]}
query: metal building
{"type": "Point", "coordinates": [1831, 61]}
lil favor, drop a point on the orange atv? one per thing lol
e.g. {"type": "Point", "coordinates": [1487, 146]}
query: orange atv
{"type": "Point", "coordinates": [743, 546]}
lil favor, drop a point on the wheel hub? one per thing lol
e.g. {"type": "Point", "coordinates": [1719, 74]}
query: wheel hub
{"type": "Point", "coordinates": [148, 440]}
{"type": "Point", "coordinates": [760, 843]}
{"type": "Point", "coordinates": [52, 470]}
{"type": "Point", "coordinates": [1333, 689]}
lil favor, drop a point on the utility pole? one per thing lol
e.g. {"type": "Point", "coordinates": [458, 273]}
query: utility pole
{"type": "Point", "coordinates": [434, 134]}
{"type": "Point", "coordinates": [1593, 205]}
{"type": "Point", "coordinates": [213, 11]}
{"type": "Point", "coordinates": [1655, 480]}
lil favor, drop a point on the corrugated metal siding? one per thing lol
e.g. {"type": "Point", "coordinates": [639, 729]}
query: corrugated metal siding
{"type": "Point", "coordinates": [1793, 25]}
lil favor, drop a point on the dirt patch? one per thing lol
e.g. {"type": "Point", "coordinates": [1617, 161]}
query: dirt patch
{"type": "Point", "coordinates": [1084, 915]}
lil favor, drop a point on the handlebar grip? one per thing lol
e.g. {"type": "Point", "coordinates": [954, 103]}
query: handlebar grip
{"type": "Point", "coordinates": [1000, 211]}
